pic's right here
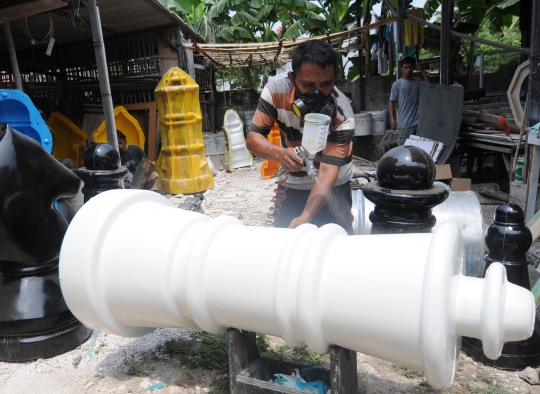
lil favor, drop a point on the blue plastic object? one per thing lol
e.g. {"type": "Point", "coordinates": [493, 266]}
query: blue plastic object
{"type": "Point", "coordinates": [18, 111]}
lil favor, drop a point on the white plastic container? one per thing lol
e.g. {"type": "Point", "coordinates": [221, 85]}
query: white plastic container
{"type": "Point", "coordinates": [315, 132]}
{"type": "Point", "coordinates": [239, 156]}
{"type": "Point", "coordinates": [378, 121]}
{"type": "Point", "coordinates": [362, 123]}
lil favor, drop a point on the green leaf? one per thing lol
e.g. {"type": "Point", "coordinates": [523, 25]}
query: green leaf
{"type": "Point", "coordinates": [430, 7]}
{"type": "Point", "coordinates": [230, 33]}
{"type": "Point", "coordinates": [295, 30]}
{"type": "Point", "coordinates": [262, 3]}
{"type": "Point", "coordinates": [507, 3]}
{"type": "Point", "coordinates": [353, 73]}
{"type": "Point", "coordinates": [472, 11]}
{"type": "Point", "coordinates": [243, 17]}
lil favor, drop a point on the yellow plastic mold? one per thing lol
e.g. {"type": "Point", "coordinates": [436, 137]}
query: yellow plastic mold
{"type": "Point", "coordinates": [68, 139]}
{"type": "Point", "coordinates": [127, 124]}
{"type": "Point", "coordinates": [181, 165]}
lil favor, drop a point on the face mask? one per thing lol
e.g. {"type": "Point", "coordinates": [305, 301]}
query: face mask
{"type": "Point", "coordinates": [313, 102]}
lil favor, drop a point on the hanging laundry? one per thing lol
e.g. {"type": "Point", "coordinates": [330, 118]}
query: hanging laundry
{"type": "Point", "coordinates": [374, 50]}
{"type": "Point", "coordinates": [382, 57]}
{"type": "Point", "coordinates": [413, 32]}
{"type": "Point", "coordinates": [411, 51]}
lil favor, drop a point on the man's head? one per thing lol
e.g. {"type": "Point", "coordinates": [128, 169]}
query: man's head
{"type": "Point", "coordinates": [407, 67]}
{"type": "Point", "coordinates": [314, 67]}
{"type": "Point", "coordinates": [122, 141]}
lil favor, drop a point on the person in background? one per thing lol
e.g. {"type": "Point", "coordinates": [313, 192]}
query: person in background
{"type": "Point", "coordinates": [327, 199]}
{"type": "Point", "coordinates": [131, 157]}
{"type": "Point", "coordinates": [405, 97]}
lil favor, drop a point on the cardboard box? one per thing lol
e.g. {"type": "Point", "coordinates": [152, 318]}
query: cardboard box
{"type": "Point", "coordinates": [443, 172]}
{"type": "Point", "coordinates": [460, 184]}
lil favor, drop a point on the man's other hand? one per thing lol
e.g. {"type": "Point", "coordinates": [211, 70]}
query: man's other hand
{"type": "Point", "coordinates": [393, 124]}
{"type": "Point", "coordinates": [290, 161]}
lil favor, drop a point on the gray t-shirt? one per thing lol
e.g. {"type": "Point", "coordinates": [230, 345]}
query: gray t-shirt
{"type": "Point", "coordinates": [406, 94]}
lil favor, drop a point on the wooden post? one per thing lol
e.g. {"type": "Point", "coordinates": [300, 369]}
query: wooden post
{"type": "Point", "coordinates": [242, 352]}
{"type": "Point", "coordinates": [343, 371]}
{"type": "Point", "coordinates": [400, 15]}
{"type": "Point", "coordinates": [445, 41]}
{"type": "Point", "coordinates": [534, 113]}
{"type": "Point", "coordinates": [13, 57]}
{"type": "Point", "coordinates": [103, 73]}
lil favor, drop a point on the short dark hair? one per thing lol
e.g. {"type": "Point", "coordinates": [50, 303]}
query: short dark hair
{"type": "Point", "coordinates": [407, 60]}
{"type": "Point", "coordinates": [318, 52]}
{"type": "Point", "coordinates": [120, 135]}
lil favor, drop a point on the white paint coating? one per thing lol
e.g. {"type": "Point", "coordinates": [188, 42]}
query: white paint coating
{"type": "Point", "coordinates": [401, 298]}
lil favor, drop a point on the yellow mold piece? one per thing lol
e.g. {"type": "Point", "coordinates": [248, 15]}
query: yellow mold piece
{"type": "Point", "coordinates": [68, 139]}
{"type": "Point", "coordinates": [181, 165]}
{"type": "Point", "coordinates": [127, 124]}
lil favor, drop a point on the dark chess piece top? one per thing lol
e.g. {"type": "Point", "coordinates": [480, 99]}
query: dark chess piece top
{"type": "Point", "coordinates": [102, 170]}
{"type": "Point", "coordinates": [404, 192]}
{"type": "Point", "coordinates": [101, 157]}
{"type": "Point", "coordinates": [508, 238]}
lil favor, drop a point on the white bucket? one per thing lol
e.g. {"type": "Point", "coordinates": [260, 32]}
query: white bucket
{"type": "Point", "coordinates": [315, 132]}
{"type": "Point", "coordinates": [362, 123]}
{"type": "Point", "coordinates": [378, 121]}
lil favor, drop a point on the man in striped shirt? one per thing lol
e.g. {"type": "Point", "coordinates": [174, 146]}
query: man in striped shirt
{"type": "Point", "coordinates": [327, 199]}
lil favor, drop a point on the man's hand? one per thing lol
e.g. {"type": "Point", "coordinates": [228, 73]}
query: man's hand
{"type": "Point", "coordinates": [302, 219]}
{"type": "Point", "coordinates": [152, 166]}
{"type": "Point", "coordinates": [290, 161]}
{"type": "Point", "coordinates": [393, 123]}
{"type": "Point", "coordinates": [419, 67]}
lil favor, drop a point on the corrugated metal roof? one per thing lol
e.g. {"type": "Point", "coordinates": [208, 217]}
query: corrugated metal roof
{"type": "Point", "coordinates": [118, 17]}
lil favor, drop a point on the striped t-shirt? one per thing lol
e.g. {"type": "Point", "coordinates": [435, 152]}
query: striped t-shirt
{"type": "Point", "coordinates": [275, 105]}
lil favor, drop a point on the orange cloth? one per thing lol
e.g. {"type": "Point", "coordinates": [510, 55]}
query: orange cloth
{"type": "Point", "coordinates": [413, 32]}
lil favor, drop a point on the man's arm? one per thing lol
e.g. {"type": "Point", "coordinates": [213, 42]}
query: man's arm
{"type": "Point", "coordinates": [320, 192]}
{"type": "Point", "coordinates": [423, 72]}
{"type": "Point", "coordinates": [259, 145]}
{"type": "Point", "coordinates": [392, 111]}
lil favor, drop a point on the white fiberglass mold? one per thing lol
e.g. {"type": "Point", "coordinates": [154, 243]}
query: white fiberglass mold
{"type": "Point", "coordinates": [239, 156]}
{"type": "Point", "coordinates": [401, 298]}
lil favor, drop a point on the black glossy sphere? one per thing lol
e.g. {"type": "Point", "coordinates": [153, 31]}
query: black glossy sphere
{"type": "Point", "coordinates": [101, 157]}
{"type": "Point", "coordinates": [406, 168]}
{"type": "Point", "coordinates": [509, 214]}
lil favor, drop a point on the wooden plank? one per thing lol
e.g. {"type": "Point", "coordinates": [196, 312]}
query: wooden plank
{"type": "Point", "coordinates": [29, 8]}
{"type": "Point", "coordinates": [496, 111]}
{"type": "Point", "coordinates": [152, 125]}
{"type": "Point", "coordinates": [481, 106]}
{"type": "Point", "coordinates": [494, 119]}
{"type": "Point", "coordinates": [487, 146]}
{"type": "Point", "coordinates": [532, 182]}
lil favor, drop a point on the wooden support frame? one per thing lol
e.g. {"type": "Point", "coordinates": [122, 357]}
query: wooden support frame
{"type": "Point", "coordinates": [152, 125]}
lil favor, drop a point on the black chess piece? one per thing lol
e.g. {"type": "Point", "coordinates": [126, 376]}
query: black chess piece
{"type": "Point", "coordinates": [35, 321]}
{"type": "Point", "coordinates": [101, 171]}
{"type": "Point", "coordinates": [404, 193]}
{"type": "Point", "coordinates": [507, 240]}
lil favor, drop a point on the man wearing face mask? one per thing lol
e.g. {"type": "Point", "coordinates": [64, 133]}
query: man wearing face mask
{"type": "Point", "coordinates": [309, 88]}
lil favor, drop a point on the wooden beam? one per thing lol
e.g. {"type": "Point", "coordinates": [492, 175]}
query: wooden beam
{"type": "Point", "coordinates": [152, 125]}
{"type": "Point", "coordinates": [29, 8]}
